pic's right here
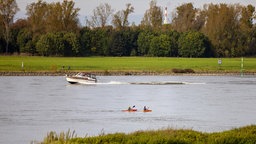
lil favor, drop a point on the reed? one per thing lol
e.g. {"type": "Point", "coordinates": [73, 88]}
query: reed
{"type": "Point", "coordinates": [243, 135]}
{"type": "Point", "coordinates": [63, 137]}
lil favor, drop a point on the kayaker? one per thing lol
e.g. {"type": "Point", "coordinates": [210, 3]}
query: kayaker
{"type": "Point", "coordinates": [133, 107]}
{"type": "Point", "coordinates": [145, 108]}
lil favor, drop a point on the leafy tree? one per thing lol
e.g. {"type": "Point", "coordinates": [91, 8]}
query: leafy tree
{"type": "Point", "coordinates": [51, 20]}
{"type": "Point", "coordinates": [131, 36]}
{"type": "Point", "coordinates": [16, 28]}
{"type": "Point", "coordinates": [70, 16]}
{"type": "Point", "coordinates": [186, 18]}
{"type": "Point", "coordinates": [246, 21]}
{"type": "Point", "coordinates": [252, 42]}
{"type": "Point", "coordinates": [160, 46]}
{"type": "Point", "coordinates": [144, 40]}
{"type": "Point", "coordinates": [85, 41]}
{"type": "Point", "coordinates": [246, 36]}
{"type": "Point", "coordinates": [24, 40]}
{"type": "Point", "coordinates": [200, 20]}
{"type": "Point", "coordinates": [50, 44]}
{"type": "Point", "coordinates": [71, 44]}
{"type": "Point", "coordinates": [54, 20]}
{"type": "Point", "coordinates": [118, 44]}
{"type": "Point", "coordinates": [120, 19]}
{"type": "Point", "coordinates": [153, 17]}
{"type": "Point", "coordinates": [123, 42]}
{"type": "Point", "coordinates": [101, 39]}
{"type": "Point", "coordinates": [100, 16]}
{"type": "Point", "coordinates": [53, 17]}
{"type": "Point", "coordinates": [62, 17]}
{"type": "Point", "coordinates": [174, 45]}
{"type": "Point", "coordinates": [51, 29]}
{"type": "Point", "coordinates": [8, 8]}
{"type": "Point", "coordinates": [43, 45]}
{"type": "Point", "coordinates": [2, 41]}
{"type": "Point", "coordinates": [193, 44]}
{"type": "Point", "coordinates": [222, 28]}
{"type": "Point", "coordinates": [2, 45]}
{"type": "Point", "coordinates": [58, 44]}
{"type": "Point", "coordinates": [37, 15]}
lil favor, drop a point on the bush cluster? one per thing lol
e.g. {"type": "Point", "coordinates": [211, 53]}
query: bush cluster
{"type": "Point", "coordinates": [243, 135]}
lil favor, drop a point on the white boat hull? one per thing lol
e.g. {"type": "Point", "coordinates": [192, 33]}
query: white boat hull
{"type": "Point", "coordinates": [80, 81]}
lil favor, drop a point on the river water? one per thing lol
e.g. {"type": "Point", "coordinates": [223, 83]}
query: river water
{"type": "Point", "coordinates": [32, 106]}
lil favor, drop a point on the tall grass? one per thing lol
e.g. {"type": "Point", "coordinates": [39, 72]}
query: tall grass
{"type": "Point", "coordinates": [243, 135]}
{"type": "Point", "coordinates": [54, 138]}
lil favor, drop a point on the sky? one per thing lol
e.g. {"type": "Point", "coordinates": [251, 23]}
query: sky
{"type": "Point", "coordinates": [140, 6]}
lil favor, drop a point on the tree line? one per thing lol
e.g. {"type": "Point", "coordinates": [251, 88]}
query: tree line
{"type": "Point", "coordinates": [53, 29]}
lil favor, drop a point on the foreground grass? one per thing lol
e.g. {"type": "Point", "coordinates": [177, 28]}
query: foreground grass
{"type": "Point", "coordinates": [244, 135]}
{"type": "Point", "coordinates": [130, 64]}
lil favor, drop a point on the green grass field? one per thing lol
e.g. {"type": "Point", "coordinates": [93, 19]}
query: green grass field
{"type": "Point", "coordinates": [129, 64]}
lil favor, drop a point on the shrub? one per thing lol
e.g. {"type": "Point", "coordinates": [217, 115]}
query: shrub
{"type": "Point", "coordinates": [183, 70]}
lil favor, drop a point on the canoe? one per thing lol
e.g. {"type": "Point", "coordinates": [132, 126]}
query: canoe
{"type": "Point", "coordinates": [132, 110]}
{"type": "Point", "coordinates": [147, 110]}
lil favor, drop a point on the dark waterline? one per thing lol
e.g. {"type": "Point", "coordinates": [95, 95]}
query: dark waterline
{"type": "Point", "coordinates": [32, 106]}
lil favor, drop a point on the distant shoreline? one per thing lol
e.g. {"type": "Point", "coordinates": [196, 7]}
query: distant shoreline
{"type": "Point", "coordinates": [122, 73]}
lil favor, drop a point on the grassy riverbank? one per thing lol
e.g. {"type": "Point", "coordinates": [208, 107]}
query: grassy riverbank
{"type": "Point", "coordinates": [243, 135]}
{"type": "Point", "coordinates": [124, 64]}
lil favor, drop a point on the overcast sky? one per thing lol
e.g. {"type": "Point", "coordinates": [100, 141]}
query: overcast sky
{"type": "Point", "coordinates": [140, 6]}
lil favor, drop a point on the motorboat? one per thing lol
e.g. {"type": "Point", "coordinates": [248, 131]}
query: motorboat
{"type": "Point", "coordinates": [82, 78]}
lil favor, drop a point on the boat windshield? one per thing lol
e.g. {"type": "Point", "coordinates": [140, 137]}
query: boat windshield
{"type": "Point", "coordinates": [93, 76]}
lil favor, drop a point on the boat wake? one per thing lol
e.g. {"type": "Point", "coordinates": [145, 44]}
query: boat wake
{"type": "Point", "coordinates": [158, 83]}
{"type": "Point", "coordinates": [142, 83]}
{"type": "Point", "coordinates": [106, 83]}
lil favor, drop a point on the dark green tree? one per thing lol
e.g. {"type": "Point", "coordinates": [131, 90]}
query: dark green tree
{"type": "Point", "coordinates": [124, 42]}
{"type": "Point", "coordinates": [252, 42]}
{"type": "Point", "coordinates": [71, 44]}
{"type": "Point", "coordinates": [24, 40]}
{"type": "Point", "coordinates": [100, 41]}
{"type": "Point", "coordinates": [144, 40]}
{"type": "Point", "coordinates": [160, 46]}
{"type": "Point", "coordinates": [50, 44]}
{"type": "Point", "coordinates": [16, 28]}
{"type": "Point", "coordinates": [193, 44]}
{"type": "Point", "coordinates": [131, 41]}
{"type": "Point", "coordinates": [85, 41]}
{"type": "Point", "coordinates": [174, 45]}
{"type": "Point", "coordinates": [2, 41]}
{"type": "Point", "coordinates": [118, 44]}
